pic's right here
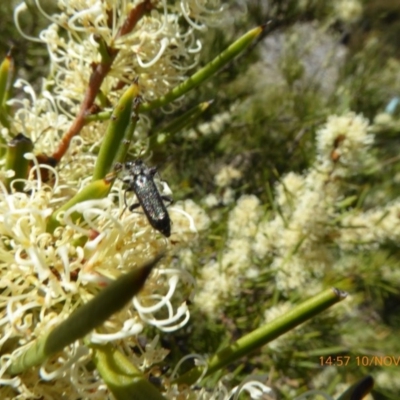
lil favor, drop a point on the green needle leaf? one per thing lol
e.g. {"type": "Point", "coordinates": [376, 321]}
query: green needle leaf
{"type": "Point", "coordinates": [124, 380]}
{"type": "Point", "coordinates": [94, 190]}
{"type": "Point", "coordinates": [86, 318]}
{"type": "Point", "coordinates": [265, 334]}
{"type": "Point", "coordinates": [6, 68]}
{"type": "Point", "coordinates": [121, 120]}
{"type": "Point", "coordinates": [6, 76]}
{"type": "Point", "coordinates": [15, 160]}
{"type": "Point", "coordinates": [206, 72]}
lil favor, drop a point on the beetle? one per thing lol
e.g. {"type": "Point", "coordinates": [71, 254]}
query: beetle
{"type": "Point", "coordinates": [139, 179]}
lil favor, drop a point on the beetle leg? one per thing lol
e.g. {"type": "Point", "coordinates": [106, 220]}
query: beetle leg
{"type": "Point", "coordinates": [133, 206]}
{"type": "Point", "coordinates": [126, 204]}
{"type": "Point", "coordinates": [152, 171]}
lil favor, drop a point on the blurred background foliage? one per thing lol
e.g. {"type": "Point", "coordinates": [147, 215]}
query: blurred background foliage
{"type": "Point", "coordinates": [315, 59]}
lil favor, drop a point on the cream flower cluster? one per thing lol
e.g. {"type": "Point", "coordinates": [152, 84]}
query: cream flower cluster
{"type": "Point", "coordinates": [254, 386]}
{"type": "Point", "coordinates": [301, 236]}
{"type": "Point", "coordinates": [348, 11]}
{"type": "Point", "coordinates": [159, 50]}
{"type": "Point", "coordinates": [309, 205]}
{"type": "Point", "coordinates": [221, 279]}
{"type": "Point", "coordinates": [341, 145]}
{"type": "Point", "coordinates": [45, 275]}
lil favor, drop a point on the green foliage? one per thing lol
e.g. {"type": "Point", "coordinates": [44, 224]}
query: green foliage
{"type": "Point", "coordinates": [310, 63]}
{"type": "Point", "coordinates": [270, 133]}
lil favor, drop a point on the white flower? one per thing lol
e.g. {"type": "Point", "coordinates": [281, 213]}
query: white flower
{"type": "Point", "coordinates": [370, 228]}
{"type": "Point", "coordinates": [158, 49]}
{"type": "Point", "coordinates": [288, 190]}
{"type": "Point", "coordinates": [220, 280]}
{"type": "Point", "coordinates": [244, 218]}
{"type": "Point", "coordinates": [226, 175]}
{"type": "Point", "coordinates": [344, 140]}
{"type": "Point", "coordinates": [187, 218]}
{"type": "Point", "coordinates": [46, 276]}
{"type": "Point", "coordinates": [215, 126]}
{"type": "Point", "coordinates": [348, 10]}
{"type": "Point", "coordinates": [211, 200]}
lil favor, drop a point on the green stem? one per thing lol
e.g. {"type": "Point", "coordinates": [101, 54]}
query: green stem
{"type": "Point", "coordinates": [126, 141]}
{"type": "Point", "coordinates": [161, 137]}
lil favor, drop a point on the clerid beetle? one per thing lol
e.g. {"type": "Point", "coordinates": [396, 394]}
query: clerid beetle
{"type": "Point", "coordinates": [140, 179]}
